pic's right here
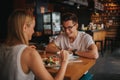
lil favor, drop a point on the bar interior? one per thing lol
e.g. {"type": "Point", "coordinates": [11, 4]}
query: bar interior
{"type": "Point", "coordinates": [99, 18]}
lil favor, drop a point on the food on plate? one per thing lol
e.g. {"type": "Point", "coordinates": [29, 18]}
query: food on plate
{"type": "Point", "coordinates": [51, 61]}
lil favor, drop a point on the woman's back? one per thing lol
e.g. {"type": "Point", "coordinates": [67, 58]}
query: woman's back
{"type": "Point", "coordinates": [10, 65]}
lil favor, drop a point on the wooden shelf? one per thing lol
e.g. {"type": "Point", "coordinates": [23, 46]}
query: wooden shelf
{"type": "Point", "coordinates": [111, 14]}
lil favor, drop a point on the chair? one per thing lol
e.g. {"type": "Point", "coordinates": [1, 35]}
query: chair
{"type": "Point", "coordinates": [100, 42]}
{"type": "Point", "coordinates": [110, 38]}
{"type": "Point", "coordinates": [101, 46]}
{"type": "Point", "coordinates": [109, 43]}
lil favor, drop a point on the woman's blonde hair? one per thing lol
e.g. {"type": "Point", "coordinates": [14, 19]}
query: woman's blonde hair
{"type": "Point", "coordinates": [16, 22]}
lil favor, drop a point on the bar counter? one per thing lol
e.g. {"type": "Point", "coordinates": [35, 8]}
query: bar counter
{"type": "Point", "coordinates": [97, 34]}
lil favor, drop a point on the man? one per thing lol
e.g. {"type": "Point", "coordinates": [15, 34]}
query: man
{"type": "Point", "coordinates": [80, 43]}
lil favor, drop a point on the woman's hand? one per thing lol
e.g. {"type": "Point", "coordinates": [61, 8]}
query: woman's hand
{"type": "Point", "coordinates": [70, 50]}
{"type": "Point", "coordinates": [64, 55]}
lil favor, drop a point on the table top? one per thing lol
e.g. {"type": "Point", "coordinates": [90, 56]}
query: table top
{"type": "Point", "coordinates": [74, 70]}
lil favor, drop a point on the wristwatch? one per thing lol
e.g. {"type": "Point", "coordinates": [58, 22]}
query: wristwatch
{"type": "Point", "coordinates": [74, 51]}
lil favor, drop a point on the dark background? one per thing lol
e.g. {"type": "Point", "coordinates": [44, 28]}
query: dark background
{"type": "Point", "coordinates": [6, 7]}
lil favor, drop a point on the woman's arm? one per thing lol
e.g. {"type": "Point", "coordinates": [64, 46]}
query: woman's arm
{"type": "Point", "coordinates": [33, 62]}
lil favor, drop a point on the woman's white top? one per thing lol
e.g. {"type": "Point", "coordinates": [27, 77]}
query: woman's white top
{"type": "Point", "coordinates": [10, 63]}
{"type": "Point", "coordinates": [81, 43]}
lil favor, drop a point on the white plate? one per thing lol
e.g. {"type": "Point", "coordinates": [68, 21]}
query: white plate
{"type": "Point", "coordinates": [54, 65]}
{"type": "Point", "coordinates": [73, 58]}
{"type": "Point", "coordinates": [50, 65]}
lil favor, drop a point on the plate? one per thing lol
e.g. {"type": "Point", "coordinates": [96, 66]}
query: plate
{"type": "Point", "coordinates": [53, 65]}
{"type": "Point", "coordinates": [74, 59]}
{"type": "Point", "coordinates": [51, 61]}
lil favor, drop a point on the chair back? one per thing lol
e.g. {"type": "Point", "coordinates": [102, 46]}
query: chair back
{"type": "Point", "coordinates": [111, 32]}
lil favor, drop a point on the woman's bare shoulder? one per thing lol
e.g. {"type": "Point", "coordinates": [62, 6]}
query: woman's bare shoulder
{"type": "Point", "coordinates": [30, 52]}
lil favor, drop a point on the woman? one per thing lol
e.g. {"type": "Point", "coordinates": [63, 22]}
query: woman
{"type": "Point", "coordinates": [18, 61]}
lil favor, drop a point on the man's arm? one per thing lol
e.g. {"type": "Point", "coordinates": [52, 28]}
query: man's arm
{"type": "Point", "coordinates": [52, 47]}
{"type": "Point", "coordinates": [91, 53]}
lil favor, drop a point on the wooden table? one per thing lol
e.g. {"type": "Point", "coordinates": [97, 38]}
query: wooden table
{"type": "Point", "coordinates": [75, 70]}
